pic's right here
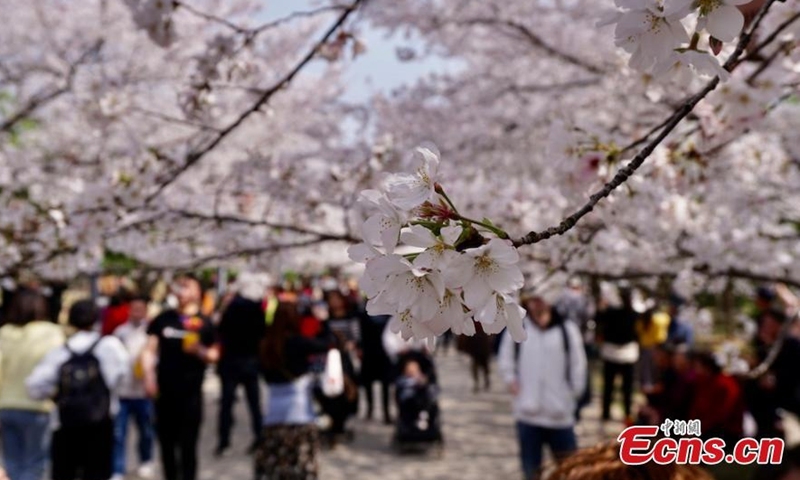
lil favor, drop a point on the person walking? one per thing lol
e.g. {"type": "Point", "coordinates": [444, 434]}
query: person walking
{"type": "Point", "coordinates": [546, 374]}
{"type": "Point", "coordinates": [375, 364]}
{"type": "Point", "coordinates": [180, 344]}
{"type": "Point", "coordinates": [651, 331]}
{"type": "Point", "coordinates": [344, 326]}
{"type": "Point", "coordinates": [240, 331]}
{"type": "Point", "coordinates": [24, 421]}
{"type": "Point", "coordinates": [478, 348]}
{"type": "Point", "coordinates": [289, 442]}
{"type": "Point", "coordinates": [679, 332]}
{"type": "Point", "coordinates": [574, 306]}
{"type": "Point", "coordinates": [83, 376]}
{"type": "Point", "coordinates": [134, 401]}
{"type": "Point", "coordinates": [619, 351]}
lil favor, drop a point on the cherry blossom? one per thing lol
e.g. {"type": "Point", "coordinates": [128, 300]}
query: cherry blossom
{"type": "Point", "coordinates": [438, 250]}
{"type": "Point", "coordinates": [407, 191]}
{"type": "Point", "coordinates": [484, 271]}
{"type": "Point", "coordinates": [721, 18]}
{"type": "Point", "coordinates": [649, 30]}
{"type": "Point", "coordinates": [383, 228]}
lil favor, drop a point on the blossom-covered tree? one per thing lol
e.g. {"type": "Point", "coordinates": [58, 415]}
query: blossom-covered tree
{"type": "Point", "coordinates": [631, 139]}
{"type": "Point", "coordinates": [686, 157]}
{"type": "Point", "coordinates": [173, 132]}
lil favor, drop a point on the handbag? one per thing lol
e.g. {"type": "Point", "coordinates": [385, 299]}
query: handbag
{"type": "Point", "coordinates": [332, 381]}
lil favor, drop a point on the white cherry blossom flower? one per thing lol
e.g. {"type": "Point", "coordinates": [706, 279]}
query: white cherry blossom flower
{"type": "Point", "coordinates": [438, 251]}
{"type": "Point", "coordinates": [420, 291]}
{"type": "Point", "coordinates": [502, 311]}
{"type": "Point", "coordinates": [451, 315]}
{"type": "Point", "coordinates": [383, 228]}
{"type": "Point", "coordinates": [684, 66]}
{"type": "Point", "coordinates": [363, 252]}
{"type": "Point", "coordinates": [721, 18]}
{"type": "Point", "coordinates": [484, 271]}
{"type": "Point", "coordinates": [409, 326]}
{"type": "Point", "coordinates": [649, 30]}
{"type": "Point", "coordinates": [465, 327]}
{"type": "Point", "coordinates": [407, 191]}
{"type": "Point", "coordinates": [377, 271]}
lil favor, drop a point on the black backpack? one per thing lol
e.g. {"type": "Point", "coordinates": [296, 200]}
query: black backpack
{"type": "Point", "coordinates": [83, 397]}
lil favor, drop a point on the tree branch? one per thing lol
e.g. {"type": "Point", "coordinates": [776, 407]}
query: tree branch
{"type": "Point", "coordinates": [43, 98]}
{"type": "Point", "coordinates": [194, 157]}
{"type": "Point", "coordinates": [248, 252]}
{"type": "Point", "coordinates": [536, 41]}
{"type": "Point", "coordinates": [222, 218]}
{"type": "Point", "coordinates": [669, 125]}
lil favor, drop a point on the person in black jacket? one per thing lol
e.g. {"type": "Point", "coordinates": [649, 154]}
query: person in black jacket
{"type": "Point", "coordinates": [240, 331]}
{"type": "Point", "coordinates": [779, 387]}
{"type": "Point", "coordinates": [375, 363]}
{"type": "Point", "coordinates": [619, 351]}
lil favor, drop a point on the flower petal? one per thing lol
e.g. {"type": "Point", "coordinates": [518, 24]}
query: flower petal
{"type": "Point", "coordinates": [503, 251]}
{"type": "Point", "coordinates": [507, 279]}
{"type": "Point", "coordinates": [488, 314]}
{"type": "Point", "coordinates": [725, 23]}
{"type": "Point", "coordinates": [418, 236]}
{"type": "Point", "coordinates": [476, 293]}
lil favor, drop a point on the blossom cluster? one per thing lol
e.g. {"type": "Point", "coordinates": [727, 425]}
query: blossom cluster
{"type": "Point", "coordinates": [456, 271]}
{"type": "Point", "coordinates": [656, 34]}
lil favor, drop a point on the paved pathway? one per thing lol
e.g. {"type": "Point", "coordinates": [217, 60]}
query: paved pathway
{"type": "Point", "coordinates": [478, 431]}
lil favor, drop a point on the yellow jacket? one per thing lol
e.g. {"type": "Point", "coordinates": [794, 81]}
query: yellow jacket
{"type": "Point", "coordinates": [656, 333]}
{"type": "Point", "coordinates": [21, 349]}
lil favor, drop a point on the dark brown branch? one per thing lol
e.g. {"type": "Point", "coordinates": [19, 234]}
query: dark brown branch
{"type": "Point", "coordinates": [756, 52]}
{"type": "Point", "coordinates": [44, 98]}
{"type": "Point", "coordinates": [222, 218]}
{"type": "Point", "coordinates": [197, 155]}
{"type": "Point", "coordinates": [248, 252]}
{"type": "Point", "coordinates": [625, 172]}
{"type": "Point", "coordinates": [212, 18]}
{"type": "Point", "coordinates": [700, 269]}
{"type": "Point", "coordinates": [536, 41]}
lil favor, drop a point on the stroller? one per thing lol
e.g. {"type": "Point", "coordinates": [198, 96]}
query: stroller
{"type": "Point", "coordinates": [418, 426]}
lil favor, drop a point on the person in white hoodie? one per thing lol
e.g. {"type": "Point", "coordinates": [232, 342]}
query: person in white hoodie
{"type": "Point", "coordinates": [546, 373]}
{"type": "Point", "coordinates": [83, 378]}
{"type": "Point", "coordinates": [133, 399]}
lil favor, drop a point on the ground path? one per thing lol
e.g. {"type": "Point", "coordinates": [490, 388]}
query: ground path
{"type": "Point", "coordinates": [478, 431]}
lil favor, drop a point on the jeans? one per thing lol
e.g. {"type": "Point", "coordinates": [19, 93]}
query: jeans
{"type": "Point", "coordinates": [142, 411]}
{"type": "Point", "coordinates": [532, 439]}
{"type": "Point", "coordinates": [26, 443]}
{"type": "Point", "coordinates": [234, 372]}
{"type": "Point", "coordinates": [611, 370]}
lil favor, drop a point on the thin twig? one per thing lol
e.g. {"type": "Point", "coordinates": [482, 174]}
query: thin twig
{"type": "Point", "coordinates": [195, 156]}
{"type": "Point", "coordinates": [536, 41]}
{"type": "Point", "coordinates": [42, 99]}
{"type": "Point", "coordinates": [212, 18]}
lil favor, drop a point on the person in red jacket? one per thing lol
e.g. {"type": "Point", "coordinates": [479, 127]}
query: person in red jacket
{"type": "Point", "coordinates": [116, 313]}
{"type": "Point", "coordinates": [718, 401]}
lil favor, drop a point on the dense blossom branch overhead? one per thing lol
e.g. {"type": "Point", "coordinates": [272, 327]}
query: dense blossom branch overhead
{"type": "Point", "coordinates": [156, 150]}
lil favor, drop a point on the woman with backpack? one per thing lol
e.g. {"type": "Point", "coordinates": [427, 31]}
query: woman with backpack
{"type": "Point", "coordinates": [289, 440]}
{"type": "Point", "coordinates": [24, 421]}
{"type": "Point", "coordinates": [82, 377]}
{"type": "Point", "coordinates": [546, 373]}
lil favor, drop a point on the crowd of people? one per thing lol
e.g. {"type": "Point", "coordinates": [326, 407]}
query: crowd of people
{"type": "Point", "coordinates": [653, 347]}
{"type": "Point", "coordinates": [68, 395]}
